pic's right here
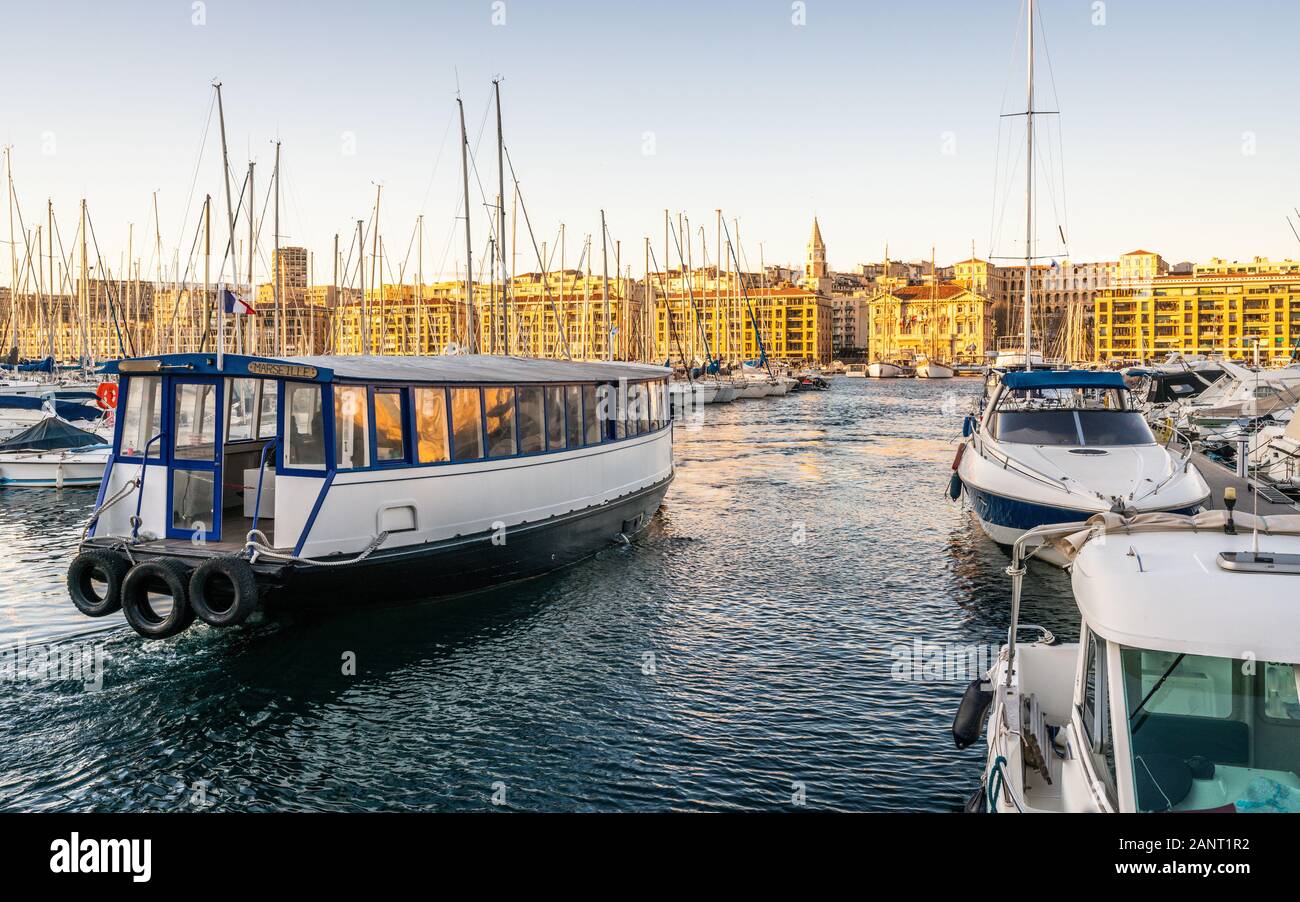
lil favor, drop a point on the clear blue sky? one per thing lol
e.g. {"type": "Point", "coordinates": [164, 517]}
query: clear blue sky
{"type": "Point", "coordinates": [847, 116]}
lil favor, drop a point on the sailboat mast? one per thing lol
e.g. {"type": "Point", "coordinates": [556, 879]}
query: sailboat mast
{"type": "Point", "coordinates": [1029, 187]}
{"type": "Point", "coordinates": [501, 226]}
{"type": "Point", "coordinates": [604, 265]}
{"type": "Point", "coordinates": [469, 243]}
{"type": "Point", "coordinates": [230, 218]}
{"type": "Point", "coordinates": [279, 313]}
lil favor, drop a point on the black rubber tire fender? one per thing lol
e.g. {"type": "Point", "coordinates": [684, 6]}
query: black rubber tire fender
{"type": "Point", "coordinates": [111, 567]}
{"type": "Point", "coordinates": [174, 576]}
{"type": "Point", "coordinates": [243, 586]}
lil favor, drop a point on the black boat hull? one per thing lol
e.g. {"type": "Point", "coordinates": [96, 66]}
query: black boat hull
{"type": "Point", "coordinates": [463, 564]}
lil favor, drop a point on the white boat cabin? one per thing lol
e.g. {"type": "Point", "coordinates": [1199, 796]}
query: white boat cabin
{"type": "Point", "coordinates": [321, 454]}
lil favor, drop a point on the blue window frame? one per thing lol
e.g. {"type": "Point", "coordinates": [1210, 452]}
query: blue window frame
{"type": "Point", "coordinates": [388, 426]}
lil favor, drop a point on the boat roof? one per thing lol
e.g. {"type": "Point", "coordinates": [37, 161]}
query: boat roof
{"type": "Point", "coordinates": [1154, 582]}
{"type": "Point", "coordinates": [450, 368]}
{"type": "Point", "coordinates": [1064, 379]}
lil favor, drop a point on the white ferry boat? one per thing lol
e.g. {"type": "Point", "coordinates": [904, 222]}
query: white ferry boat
{"type": "Point", "coordinates": [260, 482]}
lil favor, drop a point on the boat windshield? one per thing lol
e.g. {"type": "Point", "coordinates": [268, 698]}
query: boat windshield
{"type": "Point", "coordinates": [1089, 428]}
{"type": "Point", "coordinates": [1212, 733]}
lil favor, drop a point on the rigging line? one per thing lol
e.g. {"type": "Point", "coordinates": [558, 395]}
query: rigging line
{"type": "Point", "coordinates": [428, 188]}
{"type": "Point", "coordinates": [527, 222]}
{"type": "Point", "coordinates": [198, 227]}
{"type": "Point", "coordinates": [113, 302]}
{"type": "Point", "coordinates": [221, 271]}
{"type": "Point", "coordinates": [668, 311]}
{"type": "Point", "coordinates": [409, 246]}
{"type": "Point", "coordinates": [198, 162]}
{"type": "Point", "coordinates": [758, 333]}
{"type": "Point", "coordinates": [1002, 105]}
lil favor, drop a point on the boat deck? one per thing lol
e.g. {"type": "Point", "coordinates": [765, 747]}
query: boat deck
{"type": "Point", "coordinates": [233, 531]}
{"type": "Point", "coordinates": [1219, 477]}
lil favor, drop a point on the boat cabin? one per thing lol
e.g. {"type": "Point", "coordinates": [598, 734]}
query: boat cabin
{"type": "Point", "coordinates": [322, 453]}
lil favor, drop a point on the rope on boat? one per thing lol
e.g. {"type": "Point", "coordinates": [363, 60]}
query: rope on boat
{"type": "Point", "coordinates": [127, 488]}
{"type": "Point", "coordinates": [262, 548]}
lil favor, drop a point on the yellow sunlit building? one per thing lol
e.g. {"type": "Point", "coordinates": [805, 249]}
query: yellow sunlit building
{"type": "Point", "coordinates": [946, 322]}
{"type": "Point", "coordinates": [795, 324]}
{"type": "Point", "coordinates": [1200, 314]}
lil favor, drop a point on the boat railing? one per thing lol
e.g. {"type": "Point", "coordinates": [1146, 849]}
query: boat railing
{"type": "Point", "coordinates": [261, 473]}
{"type": "Point", "coordinates": [1009, 464]}
{"type": "Point", "coordinates": [1038, 537]}
{"type": "Point", "coordinates": [139, 501]}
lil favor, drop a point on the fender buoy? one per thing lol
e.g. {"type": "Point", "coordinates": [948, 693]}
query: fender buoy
{"type": "Point", "coordinates": [956, 461]}
{"type": "Point", "coordinates": [954, 486]}
{"type": "Point", "coordinates": [106, 395]}
{"type": "Point", "coordinates": [107, 567]}
{"type": "Point", "coordinates": [164, 576]}
{"type": "Point", "coordinates": [223, 591]}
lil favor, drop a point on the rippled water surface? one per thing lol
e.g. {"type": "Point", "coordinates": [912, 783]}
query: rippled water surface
{"type": "Point", "coordinates": [739, 653]}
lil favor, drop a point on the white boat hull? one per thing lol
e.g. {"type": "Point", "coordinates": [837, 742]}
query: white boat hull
{"type": "Point", "coordinates": [884, 371]}
{"type": "Point", "coordinates": [53, 469]}
{"type": "Point", "coordinates": [931, 370]}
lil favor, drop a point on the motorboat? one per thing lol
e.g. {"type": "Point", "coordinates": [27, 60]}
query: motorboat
{"type": "Point", "coordinates": [856, 371]}
{"type": "Point", "coordinates": [53, 453]}
{"type": "Point", "coordinates": [882, 370]}
{"type": "Point", "coordinates": [1183, 691]}
{"type": "Point", "coordinates": [1057, 446]}
{"type": "Point", "coordinates": [372, 479]}
{"type": "Point", "coordinates": [21, 412]}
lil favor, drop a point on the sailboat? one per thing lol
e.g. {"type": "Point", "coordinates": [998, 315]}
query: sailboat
{"type": "Point", "coordinates": [1058, 446]}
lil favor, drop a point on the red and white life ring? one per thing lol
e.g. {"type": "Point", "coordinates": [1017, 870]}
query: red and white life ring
{"type": "Point", "coordinates": [106, 395]}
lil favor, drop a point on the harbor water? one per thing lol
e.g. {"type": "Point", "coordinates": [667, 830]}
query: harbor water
{"type": "Point", "coordinates": [770, 643]}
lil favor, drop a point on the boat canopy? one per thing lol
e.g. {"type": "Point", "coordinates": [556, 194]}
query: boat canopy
{"type": "Point", "coordinates": [1063, 379]}
{"type": "Point", "coordinates": [450, 368]}
{"type": "Point", "coordinates": [69, 410]}
{"type": "Point", "coordinates": [51, 434]}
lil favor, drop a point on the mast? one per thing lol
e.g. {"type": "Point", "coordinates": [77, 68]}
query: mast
{"type": "Point", "coordinates": [604, 266]}
{"type": "Point", "coordinates": [279, 313]}
{"type": "Point", "coordinates": [252, 240]}
{"type": "Point", "coordinates": [501, 227]}
{"type": "Point", "coordinates": [207, 253]}
{"type": "Point", "coordinates": [1029, 187]}
{"type": "Point", "coordinates": [377, 274]}
{"type": "Point", "coordinates": [469, 243]}
{"type": "Point", "coordinates": [334, 284]}
{"type": "Point", "coordinates": [419, 294]}
{"type": "Point", "coordinates": [361, 278]}
{"type": "Point", "coordinates": [230, 216]}
{"type": "Point", "coordinates": [13, 252]}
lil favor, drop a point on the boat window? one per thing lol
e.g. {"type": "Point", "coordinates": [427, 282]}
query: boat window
{"type": "Point", "coordinates": [555, 417]}
{"type": "Point", "coordinates": [431, 424]}
{"type": "Point", "coordinates": [531, 418]}
{"type": "Point", "coordinates": [305, 425]}
{"type": "Point", "coordinates": [499, 404]}
{"type": "Point", "coordinates": [1182, 707]}
{"type": "Point", "coordinates": [390, 441]}
{"type": "Point", "coordinates": [266, 421]}
{"type": "Point", "coordinates": [241, 409]}
{"type": "Point", "coordinates": [195, 430]}
{"type": "Point", "coordinates": [193, 492]}
{"type": "Point", "coordinates": [1116, 427]}
{"type": "Point", "coordinates": [1072, 427]}
{"type": "Point", "coordinates": [573, 414]}
{"type": "Point", "coordinates": [605, 410]}
{"type": "Point", "coordinates": [656, 404]}
{"type": "Point", "coordinates": [1094, 694]}
{"type": "Point", "coordinates": [467, 424]}
{"type": "Point", "coordinates": [635, 407]}
{"type": "Point", "coordinates": [142, 419]}
{"type": "Point", "coordinates": [620, 403]}
{"type": "Point", "coordinates": [351, 427]}
{"type": "Point", "coordinates": [592, 431]}
{"type": "Point", "coordinates": [645, 406]}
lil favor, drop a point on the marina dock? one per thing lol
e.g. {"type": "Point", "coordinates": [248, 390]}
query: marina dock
{"type": "Point", "coordinates": [1220, 477]}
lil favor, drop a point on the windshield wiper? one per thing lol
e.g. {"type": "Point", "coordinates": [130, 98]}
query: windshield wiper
{"type": "Point", "coordinates": [1154, 689]}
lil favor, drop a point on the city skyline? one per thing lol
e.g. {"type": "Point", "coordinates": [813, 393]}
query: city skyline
{"type": "Point", "coordinates": [734, 106]}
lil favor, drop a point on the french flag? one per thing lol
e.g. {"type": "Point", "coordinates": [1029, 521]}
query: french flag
{"type": "Point", "coordinates": [234, 304]}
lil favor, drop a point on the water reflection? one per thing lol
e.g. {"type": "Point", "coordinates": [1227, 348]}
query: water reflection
{"type": "Point", "coordinates": [741, 648]}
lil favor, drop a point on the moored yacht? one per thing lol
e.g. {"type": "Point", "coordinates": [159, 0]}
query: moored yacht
{"type": "Point", "coordinates": [362, 478]}
{"type": "Point", "coordinates": [1183, 691]}
{"type": "Point", "coordinates": [882, 370]}
{"type": "Point", "coordinates": [932, 369]}
{"type": "Point", "coordinates": [1057, 446]}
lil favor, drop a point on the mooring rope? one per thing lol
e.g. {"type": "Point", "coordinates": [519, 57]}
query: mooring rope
{"type": "Point", "coordinates": [262, 548]}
